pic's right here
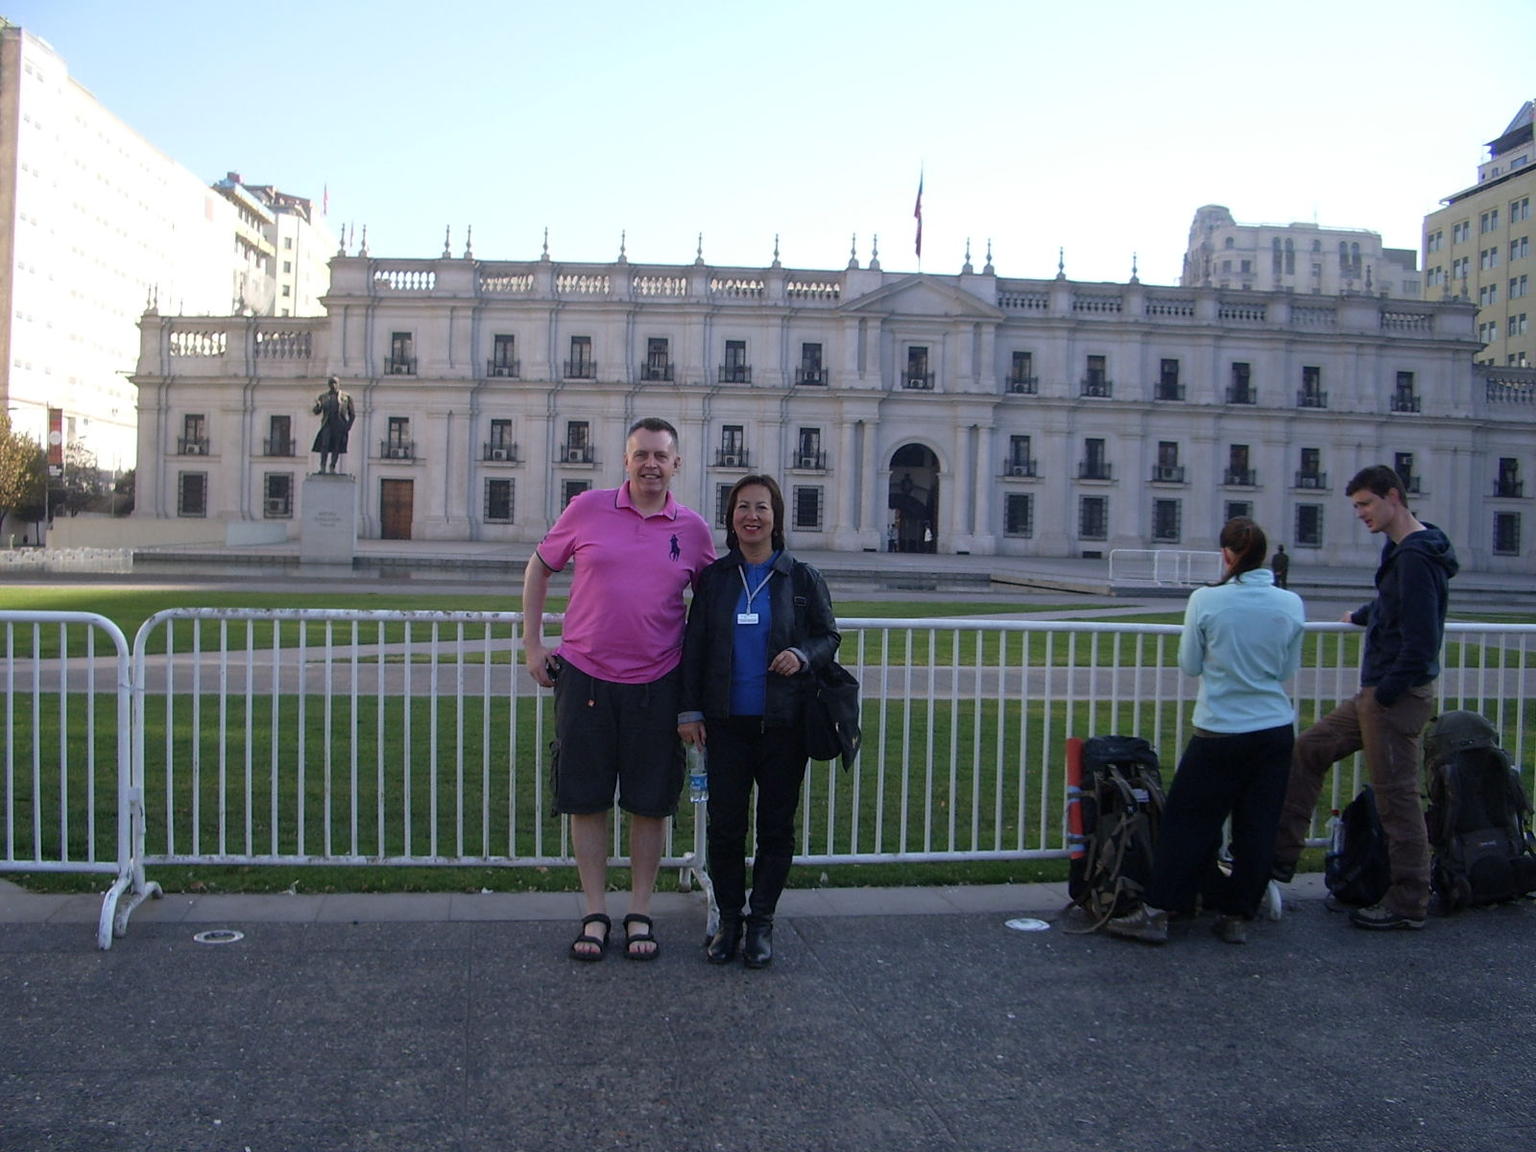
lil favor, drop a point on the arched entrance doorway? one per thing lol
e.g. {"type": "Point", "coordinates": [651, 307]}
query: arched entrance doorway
{"type": "Point", "coordinates": [913, 500]}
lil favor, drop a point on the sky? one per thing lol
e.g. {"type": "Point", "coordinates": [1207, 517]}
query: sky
{"type": "Point", "coordinates": [1097, 129]}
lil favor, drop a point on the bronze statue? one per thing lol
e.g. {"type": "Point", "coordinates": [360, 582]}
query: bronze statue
{"type": "Point", "coordinates": [334, 408]}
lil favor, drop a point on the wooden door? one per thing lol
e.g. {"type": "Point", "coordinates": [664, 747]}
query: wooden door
{"type": "Point", "coordinates": [395, 498]}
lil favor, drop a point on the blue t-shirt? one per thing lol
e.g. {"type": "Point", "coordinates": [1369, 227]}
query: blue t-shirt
{"type": "Point", "coordinates": [749, 649]}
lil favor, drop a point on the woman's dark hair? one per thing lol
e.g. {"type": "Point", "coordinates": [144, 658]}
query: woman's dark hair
{"type": "Point", "coordinates": [775, 499]}
{"type": "Point", "coordinates": [1248, 546]}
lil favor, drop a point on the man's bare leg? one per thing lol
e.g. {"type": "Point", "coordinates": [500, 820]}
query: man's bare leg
{"type": "Point", "coordinates": [589, 840]}
{"type": "Point", "coordinates": [647, 834]}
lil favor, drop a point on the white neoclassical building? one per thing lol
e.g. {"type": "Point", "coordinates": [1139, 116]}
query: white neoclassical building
{"type": "Point", "coordinates": [960, 413]}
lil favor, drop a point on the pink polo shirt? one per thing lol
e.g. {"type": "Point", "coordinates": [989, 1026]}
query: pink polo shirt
{"type": "Point", "coordinates": [626, 616]}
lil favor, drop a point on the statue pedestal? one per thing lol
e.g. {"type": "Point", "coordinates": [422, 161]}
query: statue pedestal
{"type": "Point", "coordinates": [329, 532]}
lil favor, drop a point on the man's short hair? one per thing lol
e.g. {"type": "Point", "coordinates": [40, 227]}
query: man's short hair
{"type": "Point", "coordinates": [1379, 479]}
{"type": "Point", "coordinates": [652, 424]}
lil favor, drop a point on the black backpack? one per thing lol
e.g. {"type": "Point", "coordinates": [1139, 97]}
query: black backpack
{"type": "Point", "coordinates": [1478, 817]}
{"type": "Point", "coordinates": [1355, 868]}
{"type": "Point", "coordinates": [1121, 805]}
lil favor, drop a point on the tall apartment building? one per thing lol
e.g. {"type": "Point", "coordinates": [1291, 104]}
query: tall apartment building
{"type": "Point", "coordinates": [1478, 247]}
{"type": "Point", "coordinates": [960, 414]}
{"type": "Point", "coordinates": [283, 248]}
{"type": "Point", "coordinates": [1300, 257]}
{"type": "Point", "coordinates": [95, 224]}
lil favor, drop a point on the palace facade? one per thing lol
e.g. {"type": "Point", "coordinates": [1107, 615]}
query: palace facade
{"type": "Point", "coordinates": [963, 413]}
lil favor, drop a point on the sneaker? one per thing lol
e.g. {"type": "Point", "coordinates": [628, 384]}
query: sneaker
{"type": "Point", "coordinates": [1149, 925]}
{"type": "Point", "coordinates": [1231, 929]}
{"type": "Point", "coordinates": [1272, 906]}
{"type": "Point", "coordinates": [1381, 917]}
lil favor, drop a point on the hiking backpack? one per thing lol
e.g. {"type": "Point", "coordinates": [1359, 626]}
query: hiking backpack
{"type": "Point", "coordinates": [1478, 817]}
{"type": "Point", "coordinates": [1355, 868]}
{"type": "Point", "coordinates": [1121, 812]}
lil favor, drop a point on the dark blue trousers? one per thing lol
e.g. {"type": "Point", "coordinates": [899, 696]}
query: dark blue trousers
{"type": "Point", "coordinates": [1242, 775]}
{"type": "Point", "coordinates": [742, 753]}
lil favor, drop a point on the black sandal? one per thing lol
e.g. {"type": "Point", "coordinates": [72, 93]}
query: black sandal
{"type": "Point", "coordinates": [644, 937]}
{"type": "Point", "coordinates": [581, 947]}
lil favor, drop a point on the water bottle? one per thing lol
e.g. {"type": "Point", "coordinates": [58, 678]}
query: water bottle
{"type": "Point", "coordinates": [1336, 834]}
{"type": "Point", "coordinates": [698, 773]}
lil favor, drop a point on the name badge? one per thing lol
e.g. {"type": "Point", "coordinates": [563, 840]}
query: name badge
{"type": "Point", "coordinates": [746, 617]}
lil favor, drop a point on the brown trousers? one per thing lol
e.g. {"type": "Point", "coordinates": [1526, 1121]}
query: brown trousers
{"type": "Point", "coordinates": [1390, 739]}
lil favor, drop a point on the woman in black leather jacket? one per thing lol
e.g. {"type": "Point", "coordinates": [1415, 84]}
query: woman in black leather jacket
{"type": "Point", "coordinates": [760, 623]}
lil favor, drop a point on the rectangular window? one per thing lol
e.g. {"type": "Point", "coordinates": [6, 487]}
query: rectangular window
{"type": "Point", "coordinates": [658, 359]}
{"type": "Point", "coordinates": [194, 435]}
{"type": "Point", "coordinates": [1520, 249]}
{"type": "Point", "coordinates": [1518, 287]}
{"type": "Point", "coordinates": [498, 501]}
{"type": "Point", "coordinates": [1402, 464]}
{"type": "Point", "coordinates": [810, 370]}
{"type": "Point", "coordinates": [1168, 386]}
{"type": "Point", "coordinates": [581, 366]}
{"type": "Point", "coordinates": [918, 376]}
{"type": "Point", "coordinates": [733, 447]}
{"type": "Point", "coordinates": [279, 436]}
{"type": "Point", "coordinates": [1021, 373]}
{"type": "Point", "coordinates": [1020, 461]}
{"type": "Point", "coordinates": [1487, 294]}
{"type": "Point", "coordinates": [1019, 514]}
{"type": "Point", "coordinates": [192, 494]}
{"type": "Point", "coordinates": [397, 440]}
{"type": "Point", "coordinates": [735, 370]}
{"type": "Point", "coordinates": [1240, 391]}
{"type": "Point", "coordinates": [808, 452]}
{"type": "Point", "coordinates": [1506, 533]}
{"type": "Point", "coordinates": [1311, 394]}
{"type": "Point", "coordinates": [1235, 508]}
{"type": "Point", "coordinates": [1238, 471]}
{"type": "Point", "coordinates": [1519, 210]}
{"type": "Point", "coordinates": [1093, 518]}
{"type": "Point", "coordinates": [578, 442]}
{"type": "Point", "coordinates": [1517, 325]}
{"type": "Point", "coordinates": [277, 495]}
{"type": "Point", "coordinates": [402, 355]}
{"type": "Point", "coordinates": [1311, 474]}
{"type": "Point", "coordinates": [1167, 469]}
{"type": "Point", "coordinates": [570, 489]}
{"type": "Point", "coordinates": [503, 356]}
{"type": "Point", "coordinates": [500, 445]}
{"type": "Point", "coordinates": [1309, 526]}
{"type": "Point", "coordinates": [1508, 482]}
{"type": "Point", "coordinates": [1165, 521]}
{"type": "Point", "coordinates": [1096, 377]}
{"type": "Point", "coordinates": [1095, 465]}
{"type": "Point", "coordinates": [722, 509]}
{"type": "Point", "coordinates": [807, 508]}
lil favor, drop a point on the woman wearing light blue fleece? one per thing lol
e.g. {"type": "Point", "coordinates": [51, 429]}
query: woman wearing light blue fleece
{"type": "Point", "coordinates": [1242, 637]}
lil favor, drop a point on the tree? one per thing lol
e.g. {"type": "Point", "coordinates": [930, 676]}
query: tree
{"type": "Point", "coordinates": [122, 494]}
{"type": "Point", "coordinates": [80, 488]}
{"type": "Point", "coordinates": [21, 472]}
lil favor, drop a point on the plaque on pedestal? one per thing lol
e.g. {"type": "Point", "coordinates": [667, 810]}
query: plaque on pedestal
{"type": "Point", "coordinates": [329, 532]}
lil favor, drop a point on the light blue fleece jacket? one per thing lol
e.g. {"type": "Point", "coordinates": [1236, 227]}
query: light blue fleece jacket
{"type": "Point", "coordinates": [1243, 639]}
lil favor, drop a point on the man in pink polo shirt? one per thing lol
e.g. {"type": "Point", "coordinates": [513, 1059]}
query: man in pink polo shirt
{"type": "Point", "coordinates": [615, 673]}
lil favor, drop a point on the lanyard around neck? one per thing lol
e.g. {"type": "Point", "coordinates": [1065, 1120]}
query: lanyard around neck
{"type": "Point", "coordinates": [752, 592]}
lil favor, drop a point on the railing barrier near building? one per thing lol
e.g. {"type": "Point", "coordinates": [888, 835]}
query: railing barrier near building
{"type": "Point", "coordinates": [1162, 567]}
{"type": "Point", "coordinates": [366, 738]}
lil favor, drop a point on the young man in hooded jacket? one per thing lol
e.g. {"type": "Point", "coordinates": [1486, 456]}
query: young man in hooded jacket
{"type": "Point", "coordinates": [1404, 626]}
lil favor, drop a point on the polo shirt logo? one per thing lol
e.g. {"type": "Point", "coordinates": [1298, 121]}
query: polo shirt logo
{"type": "Point", "coordinates": [677, 549]}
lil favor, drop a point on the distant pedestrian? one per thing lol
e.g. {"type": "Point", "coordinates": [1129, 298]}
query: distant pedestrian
{"type": "Point", "coordinates": [1280, 565]}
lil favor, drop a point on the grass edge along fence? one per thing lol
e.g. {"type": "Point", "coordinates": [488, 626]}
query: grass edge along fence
{"type": "Point", "coordinates": [343, 737]}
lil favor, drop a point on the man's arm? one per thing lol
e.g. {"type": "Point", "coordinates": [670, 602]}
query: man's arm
{"type": "Point", "coordinates": [1420, 631]}
{"type": "Point", "coordinates": [535, 592]}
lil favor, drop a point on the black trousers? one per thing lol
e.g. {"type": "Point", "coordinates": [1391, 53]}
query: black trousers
{"type": "Point", "coordinates": [1242, 775]}
{"type": "Point", "coordinates": [742, 753]}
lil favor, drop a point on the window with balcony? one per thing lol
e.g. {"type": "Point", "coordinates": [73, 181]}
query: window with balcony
{"type": "Point", "coordinates": [1166, 515]}
{"type": "Point", "coordinates": [402, 355]}
{"type": "Point", "coordinates": [1167, 470]}
{"type": "Point", "coordinates": [1019, 514]}
{"type": "Point", "coordinates": [1240, 390]}
{"type": "Point", "coordinates": [499, 495]}
{"type": "Point", "coordinates": [1405, 397]}
{"type": "Point", "coordinates": [1020, 461]}
{"type": "Point", "coordinates": [398, 444]}
{"type": "Point", "coordinates": [735, 369]}
{"type": "Point", "coordinates": [1021, 375]}
{"type": "Point", "coordinates": [194, 435]}
{"type": "Point", "coordinates": [1309, 526]}
{"type": "Point", "coordinates": [917, 374]}
{"type": "Point", "coordinates": [1402, 464]}
{"type": "Point", "coordinates": [658, 359]}
{"type": "Point", "coordinates": [581, 365]}
{"type": "Point", "coordinates": [807, 505]}
{"type": "Point", "coordinates": [578, 442]}
{"type": "Point", "coordinates": [277, 496]}
{"type": "Point", "coordinates": [503, 360]}
{"type": "Point", "coordinates": [1238, 474]}
{"type": "Point", "coordinates": [1168, 385]}
{"type": "Point", "coordinates": [500, 447]}
{"type": "Point", "coordinates": [808, 451]}
{"type": "Point", "coordinates": [1095, 464]}
{"type": "Point", "coordinates": [1096, 381]}
{"type": "Point", "coordinates": [279, 441]}
{"type": "Point", "coordinates": [1311, 474]}
{"type": "Point", "coordinates": [1508, 482]}
{"type": "Point", "coordinates": [733, 447]}
{"type": "Point", "coordinates": [192, 494]}
{"type": "Point", "coordinates": [1506, 533]}
{"type": "Point", "coordinates": [1093, 518]}
{"type": "Point", "coordinates": [810, 370]}
{"type": "Point", "coordinates": [1311, 394]}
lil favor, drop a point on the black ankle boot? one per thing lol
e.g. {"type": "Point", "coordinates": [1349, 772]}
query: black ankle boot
{"type": "Point", "coordinates": [757, 951]}
{"type": "Point", "coordinates": [722, 946]}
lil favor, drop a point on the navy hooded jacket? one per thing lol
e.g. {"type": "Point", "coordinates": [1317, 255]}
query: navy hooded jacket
{"type": "Point", "coordinates": [1405, 624]}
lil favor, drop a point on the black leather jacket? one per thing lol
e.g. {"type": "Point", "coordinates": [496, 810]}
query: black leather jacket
{"type": "Point", "coordinates": [802, 619]}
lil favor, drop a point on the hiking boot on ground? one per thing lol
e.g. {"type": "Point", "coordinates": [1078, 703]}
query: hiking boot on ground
{"type": "Point", "coordinates": [1149, 925]}
{"type": "Point", "coordinates": [1379, 916]}
{"type": "Point", "coordinates": [1231, 929]}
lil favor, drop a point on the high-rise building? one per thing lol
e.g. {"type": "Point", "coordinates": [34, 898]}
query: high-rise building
{"type": "Point", "coordinates": [1300, 257]}
{"type": "Point", "coordinates": [283, 249]}
{"type": "Point", "coordinates": [1478, 247]}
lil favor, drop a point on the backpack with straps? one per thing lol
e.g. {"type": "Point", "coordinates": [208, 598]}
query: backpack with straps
{"type": "Point", "coordinates": [1356, 868]}
{"type": "Point", "coordinates": [1121, 804]}
{"type": "Point", "coordinates": [1479, 815]}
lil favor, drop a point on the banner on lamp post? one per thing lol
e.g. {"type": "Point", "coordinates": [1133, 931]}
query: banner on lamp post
{"type": "Point", "coordinates": [55, 441]}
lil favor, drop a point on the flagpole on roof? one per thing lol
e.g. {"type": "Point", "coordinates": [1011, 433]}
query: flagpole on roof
{"type": "Point", "coordinates": [917, 213]}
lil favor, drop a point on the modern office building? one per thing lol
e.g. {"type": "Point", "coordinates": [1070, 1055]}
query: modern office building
{"type": "Point", "coordinates": [1297, 257]}
{"type": "Point", "coordinates": [960, 413]}
{"type": "Point", "coordinates": [1478, 247]}
{"type": "Point", "coordinates": [283, 247]}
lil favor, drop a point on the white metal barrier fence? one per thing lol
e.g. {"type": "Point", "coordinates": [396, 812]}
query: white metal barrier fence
{"type": "Point", "coordinates": [333, 737]}
{"type": "Point", "coordinates": [1163, 567]}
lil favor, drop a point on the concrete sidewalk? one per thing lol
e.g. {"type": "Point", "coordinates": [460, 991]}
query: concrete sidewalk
{"type": "Point", "coordinates": [910, 1019]}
